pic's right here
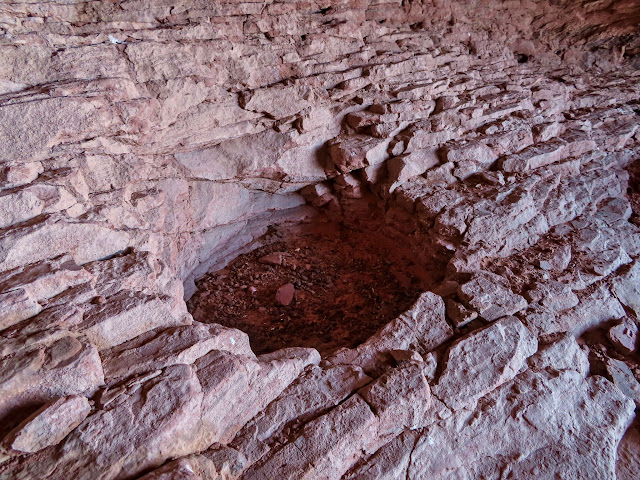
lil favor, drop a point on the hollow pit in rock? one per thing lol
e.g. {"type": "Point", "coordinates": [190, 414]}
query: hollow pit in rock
{"type": "Point", "coordinates": [347, 283]}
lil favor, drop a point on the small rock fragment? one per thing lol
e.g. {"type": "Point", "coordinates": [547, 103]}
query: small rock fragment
{"type": "Point", "coordinates": [624, 336]}
{"type": "Point", "coordinates": [275, 258]}
{"type": "Point", "coordinates": [559, 260]}
{"type": "Point", "coordinates": [563, 353]}
{"type": "Point", "coordinates": [285, 294]}
{"type": "Point", "coordinates": [627, 288]}
{"type": "Point", "coordinates": [357, 151]}
{"type": "Point", "coordinates": [15, 306]}
{"type": "Point", "coordinates": [400, 398]}
{"type": "Point", "coordinates": [406, 356]}
{"type": "Point", "coordinates": [622, 376]}
{"type": "Point", "coordinates": [423, 324]}
{"type": "Point", "coordinates": [459, 314]}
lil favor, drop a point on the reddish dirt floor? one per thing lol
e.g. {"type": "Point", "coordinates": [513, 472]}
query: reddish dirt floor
{"type": "Point", "coordinates": [346, 285]}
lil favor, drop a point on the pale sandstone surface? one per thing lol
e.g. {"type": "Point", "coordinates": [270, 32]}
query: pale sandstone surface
{"type": "Point", "coordinates": [48, 425]}
{"type": "Point", "coordinates": [145, 143]}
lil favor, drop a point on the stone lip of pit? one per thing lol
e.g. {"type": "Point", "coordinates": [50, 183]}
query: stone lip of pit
{"type": "Point", "coordinates": [326, 288]}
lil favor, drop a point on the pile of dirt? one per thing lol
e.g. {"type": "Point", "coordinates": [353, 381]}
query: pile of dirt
{"type": "Point", "coordinates": [346, 284]}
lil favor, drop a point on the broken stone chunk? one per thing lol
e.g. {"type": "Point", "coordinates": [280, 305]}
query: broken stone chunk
{"type": "Point", "coordinates": [491, 296]}
{"type": "Point", "coordinates": [247, 384]}
{"type": "Point", "coordinates": [318, 194]}
{"type": "Point", "coordinates": [275, 258]}
{"type": "Point", "coordinates": [484, 360]}
{"type": "Point", "coordinates": [399, 398]}
{"type": "Point", "coordinates": [627, 288]}
{"type": "Point", "coordinates": [532, 414]}
{"type": "Point", "coordinates": [543, 154]}
{"type": "Point", "coordinates": [48, 371]}
{"type": "Point", "coordinates": [161, 348]}
{"type": "Point", "coordinates": [146, 424]}
{"type": "Point", "coordinates": [622, 376]}
{"type": "Point", "coordinates": [15, 306]}
{"type": "Point", "coordinates": [317, 390]}
{"type": "Point", "coordinates": [459, 314]}
{"type": "Point", "coordinates": [327, 447]}
{"type": "Point", "coordinates": [563, 353]}
{"type": "Point", "coordinates": [553, 295]}
{"type": "Point", "coordinates": [357, 151]}
{"type": "Point", "coordinates": [193, 467]}
{"type": "Point", "coordinates": [401, 356]}
{"type": "Point", "coordinates": [284, 295]}
{"type": "Point", "coordinates": [278, 102]}
{"type": "Point", "coordinates": [423, 324]}
{"type": "Point", "coordinates": [48, 425]}
{"type": "Point", "coordinates": [559, 259]}
{"type": "Point", "coordinates": [624, 336]}
{"type": "Point", "coordinates": [476, 152]}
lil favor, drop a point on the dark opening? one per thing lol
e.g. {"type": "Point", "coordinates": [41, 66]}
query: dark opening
{"type": "Point", "coordinates": [346, 284]}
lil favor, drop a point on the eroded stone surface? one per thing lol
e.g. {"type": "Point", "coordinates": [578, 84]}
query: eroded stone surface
{"type": "Point", "coordinates": [146, 424]}
{"type": "Point", "coordinates": [49, 425]}
{"type": "Point", "coordinates": [422, 327]}
{"type": "Point", "coordinates": [491, 296]}
{"type": "Point", "coordinates": [143, 144]}
{"type": "Point", "coordinates": [624, 336]}
{"type": "Point", "coordinates": [481, 362]}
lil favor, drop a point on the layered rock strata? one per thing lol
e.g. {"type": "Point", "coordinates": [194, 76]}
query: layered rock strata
{"type": "Point", "coordinates": [143, 144]}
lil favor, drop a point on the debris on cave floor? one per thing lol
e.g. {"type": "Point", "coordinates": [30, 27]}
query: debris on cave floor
{"type": "Point", "coordinates": [329, 288]}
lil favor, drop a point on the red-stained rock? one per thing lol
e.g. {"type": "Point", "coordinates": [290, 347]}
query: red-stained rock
{"type": "Point", "coordinates": [285, 294]}
{"type": "Point", "coordinates": [144, 144]}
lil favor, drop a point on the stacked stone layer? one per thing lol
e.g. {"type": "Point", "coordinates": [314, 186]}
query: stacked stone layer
{"type": "Point", "coordinates": [144, 143]}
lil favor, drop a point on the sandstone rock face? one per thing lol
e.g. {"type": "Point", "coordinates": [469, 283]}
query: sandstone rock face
{"type": "Point", "coordinates": [477, 364]}
{"type": "Point", "coordinates": [143, 144]}
{"type": "Point", "coordinates": [49, 425]}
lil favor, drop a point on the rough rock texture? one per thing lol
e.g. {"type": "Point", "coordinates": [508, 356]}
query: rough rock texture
{"type": "Point", "coordinates": [143, 144]}
{"type": "Point", "coordinates": [49, 425]}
